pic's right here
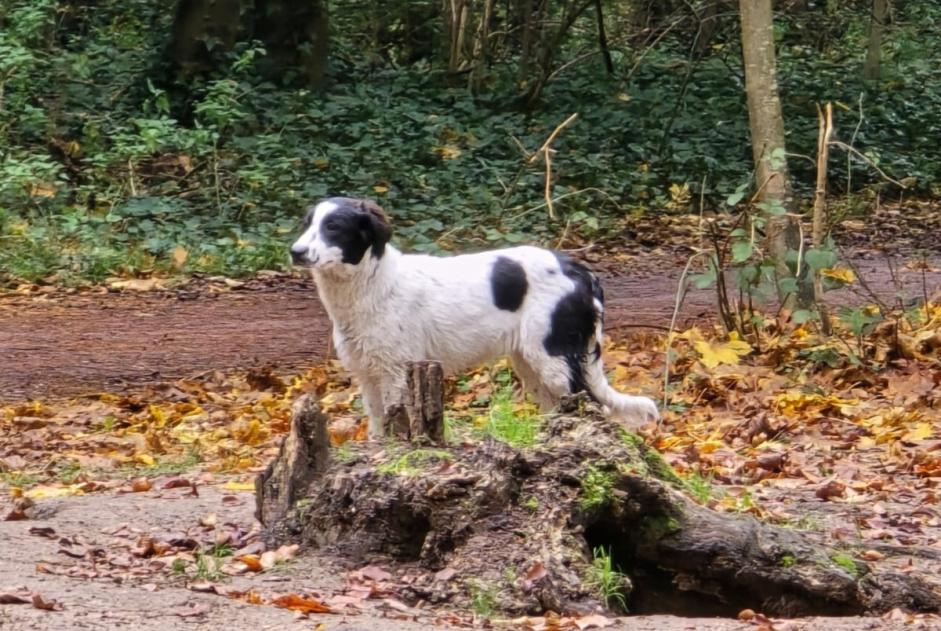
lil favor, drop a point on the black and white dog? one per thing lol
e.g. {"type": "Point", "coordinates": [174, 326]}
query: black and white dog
{"type": "Point", "coordinates": [388, 308]}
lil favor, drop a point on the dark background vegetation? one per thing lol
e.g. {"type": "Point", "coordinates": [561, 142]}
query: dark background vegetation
{"type": "Point", "coordinates": [141, 135]}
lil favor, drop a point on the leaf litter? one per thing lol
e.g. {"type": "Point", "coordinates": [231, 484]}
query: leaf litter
{"type": "Point", "coordinates": [839, 436]}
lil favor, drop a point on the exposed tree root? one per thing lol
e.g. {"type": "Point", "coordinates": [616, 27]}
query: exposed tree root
{"type": "Point", "coordinates": [520, 526]}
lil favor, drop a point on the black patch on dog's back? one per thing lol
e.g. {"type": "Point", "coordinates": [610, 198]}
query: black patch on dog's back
{"type": "Point", "coordinates": [508, 284]}
{"type": "Point", "coordinates": [573, 322]}
{"type": "Point", "coordinates": [354, 231]}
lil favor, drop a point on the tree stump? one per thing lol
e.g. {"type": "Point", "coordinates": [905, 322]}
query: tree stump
{"type": "Point", "coordinates": [304, 454]}
{"type": "Point", "coordinates": [521, 526]}
{"type": "Point", "coordinates": [421, 415]}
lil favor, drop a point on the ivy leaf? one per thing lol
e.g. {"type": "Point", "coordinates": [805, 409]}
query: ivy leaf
{"type": "Point", "coordinates": [741, 251]}
{"type": "Point", "coordinates": [819, 259]}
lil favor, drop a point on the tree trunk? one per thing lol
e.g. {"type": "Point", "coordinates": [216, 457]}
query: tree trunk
{"type": "Point", "coordinates": [304, 454]}
{"type": "Point", "coordinates": [523, 525]}
{"type": "Point", "coordinates": [420, 417]}
{"type": "Point", "coordinates": [880, 11]}
{"type": "Point", "coordinates": [767, 133]}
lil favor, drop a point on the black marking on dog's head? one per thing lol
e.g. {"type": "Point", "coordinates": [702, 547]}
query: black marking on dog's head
{"type": "Point", "coordinates": [573, 323]}
{"type": "Point", "coordinates": [508, 284]}
{"type": "Point", "coordinates": [355, 226]}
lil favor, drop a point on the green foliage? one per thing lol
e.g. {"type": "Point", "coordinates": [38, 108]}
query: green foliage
{"type": "Point", "coordinates": [597, 489]}
{"type": "Point", "coordinates": [606, 580]}
{"type": "Point", "coordinates": [110, 161]}
{"type": "Point", "coordinates": [787, 560]}
{"type": "Point", "coordinates": [699, 487]}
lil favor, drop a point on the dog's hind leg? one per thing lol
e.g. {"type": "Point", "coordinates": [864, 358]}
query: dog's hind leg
{"type": "Point", "coordinates": [549, 377]}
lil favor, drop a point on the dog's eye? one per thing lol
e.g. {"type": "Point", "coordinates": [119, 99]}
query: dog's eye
{"type": "Point", "coordinates": [330, 226]}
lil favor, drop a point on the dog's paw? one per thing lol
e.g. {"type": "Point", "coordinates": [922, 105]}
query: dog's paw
{"type": "Point", "coordinates": [640, 411]}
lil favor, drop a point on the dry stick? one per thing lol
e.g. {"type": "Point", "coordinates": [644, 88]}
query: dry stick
{"type": "Point", "coordinates": [545, 150]}
{"type": "Point", "coordinates": [856, 152]}
{"type": "Point", "coordinates": [820, 206]}
{"type": "Point", "coordinates": [680, 295]}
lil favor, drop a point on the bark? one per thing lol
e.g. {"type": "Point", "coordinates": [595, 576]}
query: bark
{"type": "Point", "coordinates": [603, 39]}
{"type": "Point", "coordinates": [766, 124]}
{"type": "Point", "coordinates": [522, 524]}
{"type": "Point", "coordinates": [872, 67]}
{"type": "Point", "coordinates": [304, 455]}
{"type": "Point", "coordinates": [420, 417]}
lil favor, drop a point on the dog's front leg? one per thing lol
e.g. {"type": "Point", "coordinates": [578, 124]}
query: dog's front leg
{"type": "Point", "coordinates": [372, 403]}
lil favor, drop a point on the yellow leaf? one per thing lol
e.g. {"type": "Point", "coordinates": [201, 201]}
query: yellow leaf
{"type": "Point", "coordinates": [714, 353]}
{"type": "Point", "coordinates": [42, 492]}
{"type": "Point", "coordinates": [380, 188]}
{"type": "Point", "coordinates": [922, 431]}
{"type": "Point", "coordinates": [447, 152]}
{"type": "Point", "coordinates": [145, 459]}
{"type": "Point", "coordinates": [179, 256]}
{"type": "Point", "coordinates": [232, 485]}
{"type": "Point", "coordinates": [624, 97]}
{"type": "Point", "coordinates": [41, 189]}
{"type": "Point", "coordinates": [137, 284]}
{"type": "Point", "coordinates": [842, 274]}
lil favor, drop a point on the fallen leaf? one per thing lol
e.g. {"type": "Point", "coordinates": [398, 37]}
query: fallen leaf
{"type": "Point", "coordinates": [139, 485]}
{"type": "Point", "coordinates": [593, 621]}
{"type": "Point", "coordinates": [295, 602]}
{"type": "Point", "coordinates": [375, 573]}
{"type": "Point", "coordinates": [47, 605]}
{"type": "Point", "coordinates": [232, 485]}
{"type": "Point", "coordinates": [179, 256]}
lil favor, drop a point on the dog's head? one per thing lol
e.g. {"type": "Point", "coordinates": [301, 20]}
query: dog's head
{"type": "Point", "coordinates": [339, 231]}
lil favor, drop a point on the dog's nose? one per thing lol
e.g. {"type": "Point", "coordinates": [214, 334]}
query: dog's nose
{"type": "Point", "coordinates": [297, 256]}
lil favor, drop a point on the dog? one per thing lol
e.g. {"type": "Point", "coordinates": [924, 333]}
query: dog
{"type": "Point", "coordinates": [536, 306]}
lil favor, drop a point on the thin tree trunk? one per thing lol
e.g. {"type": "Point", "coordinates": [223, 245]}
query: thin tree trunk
{"type": "Point", "coordinates": [880, 10]}
{"type": "Point", "coordinates": [820, 205]}
{"type": "Point", "coordinates": [603, 39]}
{"type": "Point", "coordinates": [767, 131]}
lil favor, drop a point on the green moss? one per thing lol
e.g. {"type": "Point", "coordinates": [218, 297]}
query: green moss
{"type": "Point", "coordinates": [414, 461]}
{"type": "Point", "coordinates": [787, 560]}
{"type": "Point", "coordinates": [653, 462]}
{"type": "Point", "coordinates": [845, 562]}
{"type": "Point", "coordinates": [597, 488]}
{"type": "Point", "coordinates": [656, 527]}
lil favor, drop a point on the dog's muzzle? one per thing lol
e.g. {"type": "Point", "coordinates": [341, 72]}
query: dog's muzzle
{"type": "Point", "coordinates": [299, 257]}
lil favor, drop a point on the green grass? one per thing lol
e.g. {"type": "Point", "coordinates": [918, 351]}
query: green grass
{"type": "Point", "coordinates": [606, 580]}
{"type": "Point", "coordinates": [413, 462]}
{"type": "Point", "coordinates": [19, 479]}
{"type": "Point", "coordinates": [344, 454]}
{"type": "Point", "coordinates": [208, 567]}
{"type": "Point", "coordinates": [68, 472]}
{"type": "Point", "coordinates": [514, 424]}
{"type": "Point", "coordinates": [597, 489]}
{"type": "Point", "coordinates": [699, 487]}
{"type": "Point", "coordinates": [483, 598]}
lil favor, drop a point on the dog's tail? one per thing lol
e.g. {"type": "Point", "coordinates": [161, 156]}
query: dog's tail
{"type": "Point", "coordinates": [631, 409]}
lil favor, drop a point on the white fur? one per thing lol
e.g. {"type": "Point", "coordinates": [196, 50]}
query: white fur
{"type": "Point", "coordinates": [406, 307]}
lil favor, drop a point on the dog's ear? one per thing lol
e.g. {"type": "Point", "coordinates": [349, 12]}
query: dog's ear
{"type": "Point", "coordinates": [377, 224]}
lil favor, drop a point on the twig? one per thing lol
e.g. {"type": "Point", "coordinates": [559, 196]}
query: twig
{"type": "Point", "coordinates": [545, 150]}
{"type": "Point", "coordinates": [857, 153]}
{"type": "Point", "coordinates": [680, 295]}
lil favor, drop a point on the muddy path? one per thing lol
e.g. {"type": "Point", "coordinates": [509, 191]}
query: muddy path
{"type": "Point", "coordinates": [58, 344]}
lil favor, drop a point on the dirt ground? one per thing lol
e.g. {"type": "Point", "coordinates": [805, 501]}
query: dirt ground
{"type": "Point", "coordinates": [59, 344]}
{"type": "Point", "coordinates": [164, 603]}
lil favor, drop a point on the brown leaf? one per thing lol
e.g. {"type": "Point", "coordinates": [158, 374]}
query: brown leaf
{"type": "Point", "coordinates": [445, 575]}
{"type": "Point", "coordinates": [252, 561]}
{"type": "Point", "coordinates": [375, 573]}
{"type": "Point", "coordinates": [176, 482]}
{"type": "Point", "coordinates": [139, 485]}
{"type": "Point", "coordinates": [594, 621]}
{"type": "Point", "coordinates": [295, 602]}
{"type": "Point", "coordinates": [830, 489]}
{"type": "Point", "coordinates": [534, 574]}
{"type": "Point", "coordinates": [17, 597]}
{"type": "Point", "coordinates": [47, 605]}
{"type": "Point", "coordinates": [43, 531]}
